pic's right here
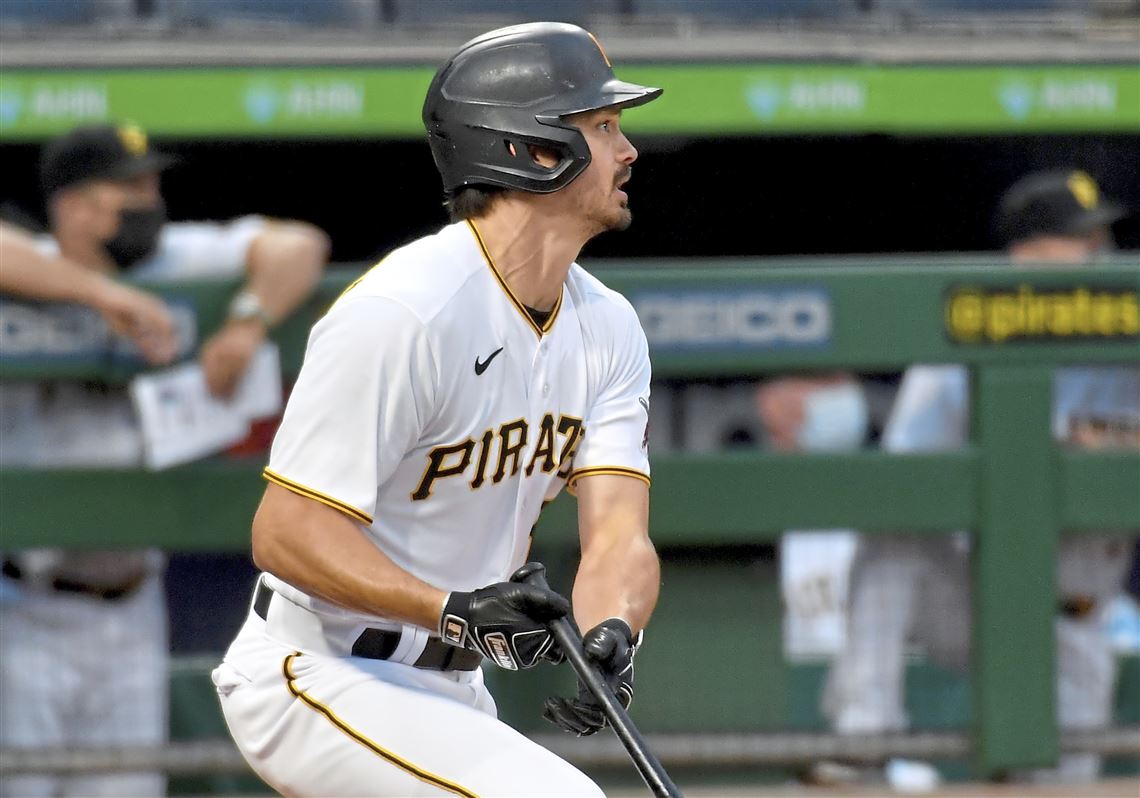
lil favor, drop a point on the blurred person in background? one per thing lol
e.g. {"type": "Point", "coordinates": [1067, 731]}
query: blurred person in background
{"type": "Point", "coordinates": [83, 638]}
{"type": "Point", "coordinates": [814, 413]}
{"type": "Point", "coordinates": [918, 588]}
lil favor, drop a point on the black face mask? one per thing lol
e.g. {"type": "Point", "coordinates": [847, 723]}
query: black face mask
{"type": "Point", "coordinates": [137, 236]}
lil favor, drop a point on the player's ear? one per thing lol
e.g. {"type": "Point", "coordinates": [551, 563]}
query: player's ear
{"type": "Point", "coordinates": [543, 156]}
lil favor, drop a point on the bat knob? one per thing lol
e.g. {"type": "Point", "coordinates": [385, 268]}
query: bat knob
{"type": "Point", "coordinates": [533, 573]}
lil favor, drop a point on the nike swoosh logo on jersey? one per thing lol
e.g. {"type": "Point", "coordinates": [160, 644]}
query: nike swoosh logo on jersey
{"type": "Point", "coordinates": [480, 367]}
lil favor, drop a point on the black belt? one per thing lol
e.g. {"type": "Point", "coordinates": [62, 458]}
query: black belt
{"type": "Point", "coordinates": [381, 643]}
{"type": "Point", "coordinates": [65, 585]}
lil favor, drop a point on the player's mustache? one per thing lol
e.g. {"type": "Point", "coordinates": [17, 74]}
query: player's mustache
{"type": "Point", "coordinates": [623, 175]}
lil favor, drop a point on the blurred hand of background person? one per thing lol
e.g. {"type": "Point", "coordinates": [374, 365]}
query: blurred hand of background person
{"type": "Point", "coordinates": [1088, 434]}
{"type": "Point", "coordinates": [139, 316]}
{"type": "Point", "coordinates": [226, 353]}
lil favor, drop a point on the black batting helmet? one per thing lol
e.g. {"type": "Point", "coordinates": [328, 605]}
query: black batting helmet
{"type": "Point", "coordinates": [511, 87]}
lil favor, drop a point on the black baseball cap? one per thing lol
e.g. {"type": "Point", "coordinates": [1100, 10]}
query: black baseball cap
{"type": "Point", "coordinates": [107, 152]}
{"type": "Point", "coordinates": [1063, 202]}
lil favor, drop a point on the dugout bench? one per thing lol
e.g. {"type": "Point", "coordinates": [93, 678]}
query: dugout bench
{"type": "Point", "coordinates": [1011, 485]}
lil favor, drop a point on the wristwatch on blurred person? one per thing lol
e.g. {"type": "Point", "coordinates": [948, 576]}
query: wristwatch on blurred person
{"type": "Point", "coordinates": [246, 306]}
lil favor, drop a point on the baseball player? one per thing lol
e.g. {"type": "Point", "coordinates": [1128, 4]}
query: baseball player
{"type": "Point", "coordinates": [448, 394]}
{"type": "Point", "coordinates": [919, 587]}
{"type": "Point", "coordinates": [83, 641]}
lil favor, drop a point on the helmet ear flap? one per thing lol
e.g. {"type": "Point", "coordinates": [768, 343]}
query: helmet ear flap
{"type": "Point", "coordinates": [500, 158]}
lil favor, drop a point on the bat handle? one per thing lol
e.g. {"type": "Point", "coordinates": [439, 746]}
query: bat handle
{"type": "Point", "coordinates": [567, 637]}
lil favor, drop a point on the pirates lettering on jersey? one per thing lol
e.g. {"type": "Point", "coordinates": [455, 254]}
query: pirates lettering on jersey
{"type": "Point", "coordinates": [454, 459]}
{"type": "Point", "coordinates": [572, 430]}
{"type": "Point", "coordinates": [512, 439]}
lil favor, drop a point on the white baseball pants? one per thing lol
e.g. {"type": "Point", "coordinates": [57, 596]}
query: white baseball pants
{"type": "Point", "coordinates": [316, 725]}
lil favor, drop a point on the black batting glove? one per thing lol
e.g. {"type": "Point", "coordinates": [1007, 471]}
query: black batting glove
{"type": "Point", "coordinates": [611, 645]}
{"type": "Point", "coordinates": [505, 622]}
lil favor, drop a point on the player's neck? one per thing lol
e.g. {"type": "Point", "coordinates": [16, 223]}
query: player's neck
{"type": "Point", "coordinates": [532, 251]}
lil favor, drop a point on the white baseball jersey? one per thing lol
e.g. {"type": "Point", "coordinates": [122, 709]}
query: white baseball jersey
{"type": "Point", "coordinates": [433, 409]}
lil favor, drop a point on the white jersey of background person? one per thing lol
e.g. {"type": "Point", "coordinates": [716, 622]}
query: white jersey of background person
{"type": "Point", "coordinates": [921, 587]}
{"type": "Point", "coordinates": [48, 697]}
{"type": "Point", "coordinates": [471, 418]}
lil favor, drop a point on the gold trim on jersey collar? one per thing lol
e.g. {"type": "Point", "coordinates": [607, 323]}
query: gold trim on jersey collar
{"type": "Point", "coordinates": [519, 306]}
{"type": "Point", "coordinates": [423, 775]}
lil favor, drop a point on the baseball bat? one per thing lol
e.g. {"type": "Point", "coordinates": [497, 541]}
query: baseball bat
{"type": "Point", "coordinates": [564, 633]}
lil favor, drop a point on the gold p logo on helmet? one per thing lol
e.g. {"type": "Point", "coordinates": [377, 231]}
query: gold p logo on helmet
{"type": "Point", "coordinates": [133, 139]}
{"type": "Point", "coordinates": [1084, 189]}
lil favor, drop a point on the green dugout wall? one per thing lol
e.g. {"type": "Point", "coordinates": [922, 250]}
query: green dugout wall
{"type": "Point", "coordinates": [1011, 485]}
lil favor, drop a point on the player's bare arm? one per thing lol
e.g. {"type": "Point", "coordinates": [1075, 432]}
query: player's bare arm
{"type": "Point", "coordinates": [619, 574]}
{"type": "Point", "coordinates": [614, 592]}
{"type": "Point", "coordinates": [285, 263]}
{"type": "Point", "coordinates": [322, 551]}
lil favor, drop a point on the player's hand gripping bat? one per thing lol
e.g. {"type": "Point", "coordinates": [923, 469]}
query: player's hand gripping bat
{"type": "Point", "coordinates": [570, 641]}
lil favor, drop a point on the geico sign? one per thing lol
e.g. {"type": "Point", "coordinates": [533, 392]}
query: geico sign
{"type": "Point", "coordinates": [51, 330]}
{"type": "Point", "coordinates": [748, 318]}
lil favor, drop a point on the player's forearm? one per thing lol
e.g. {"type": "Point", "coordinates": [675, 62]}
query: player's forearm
{"type": "Point", "coordinates": [285, 263]}
{"type": "Point", "coordinates": [620, 580]}
{"type": "Point", "coordinates": [619, 574]}
{"type": "Point", "coordinates": [25, 271]}
{"type": "Point", "coordinates": [322, 552]}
